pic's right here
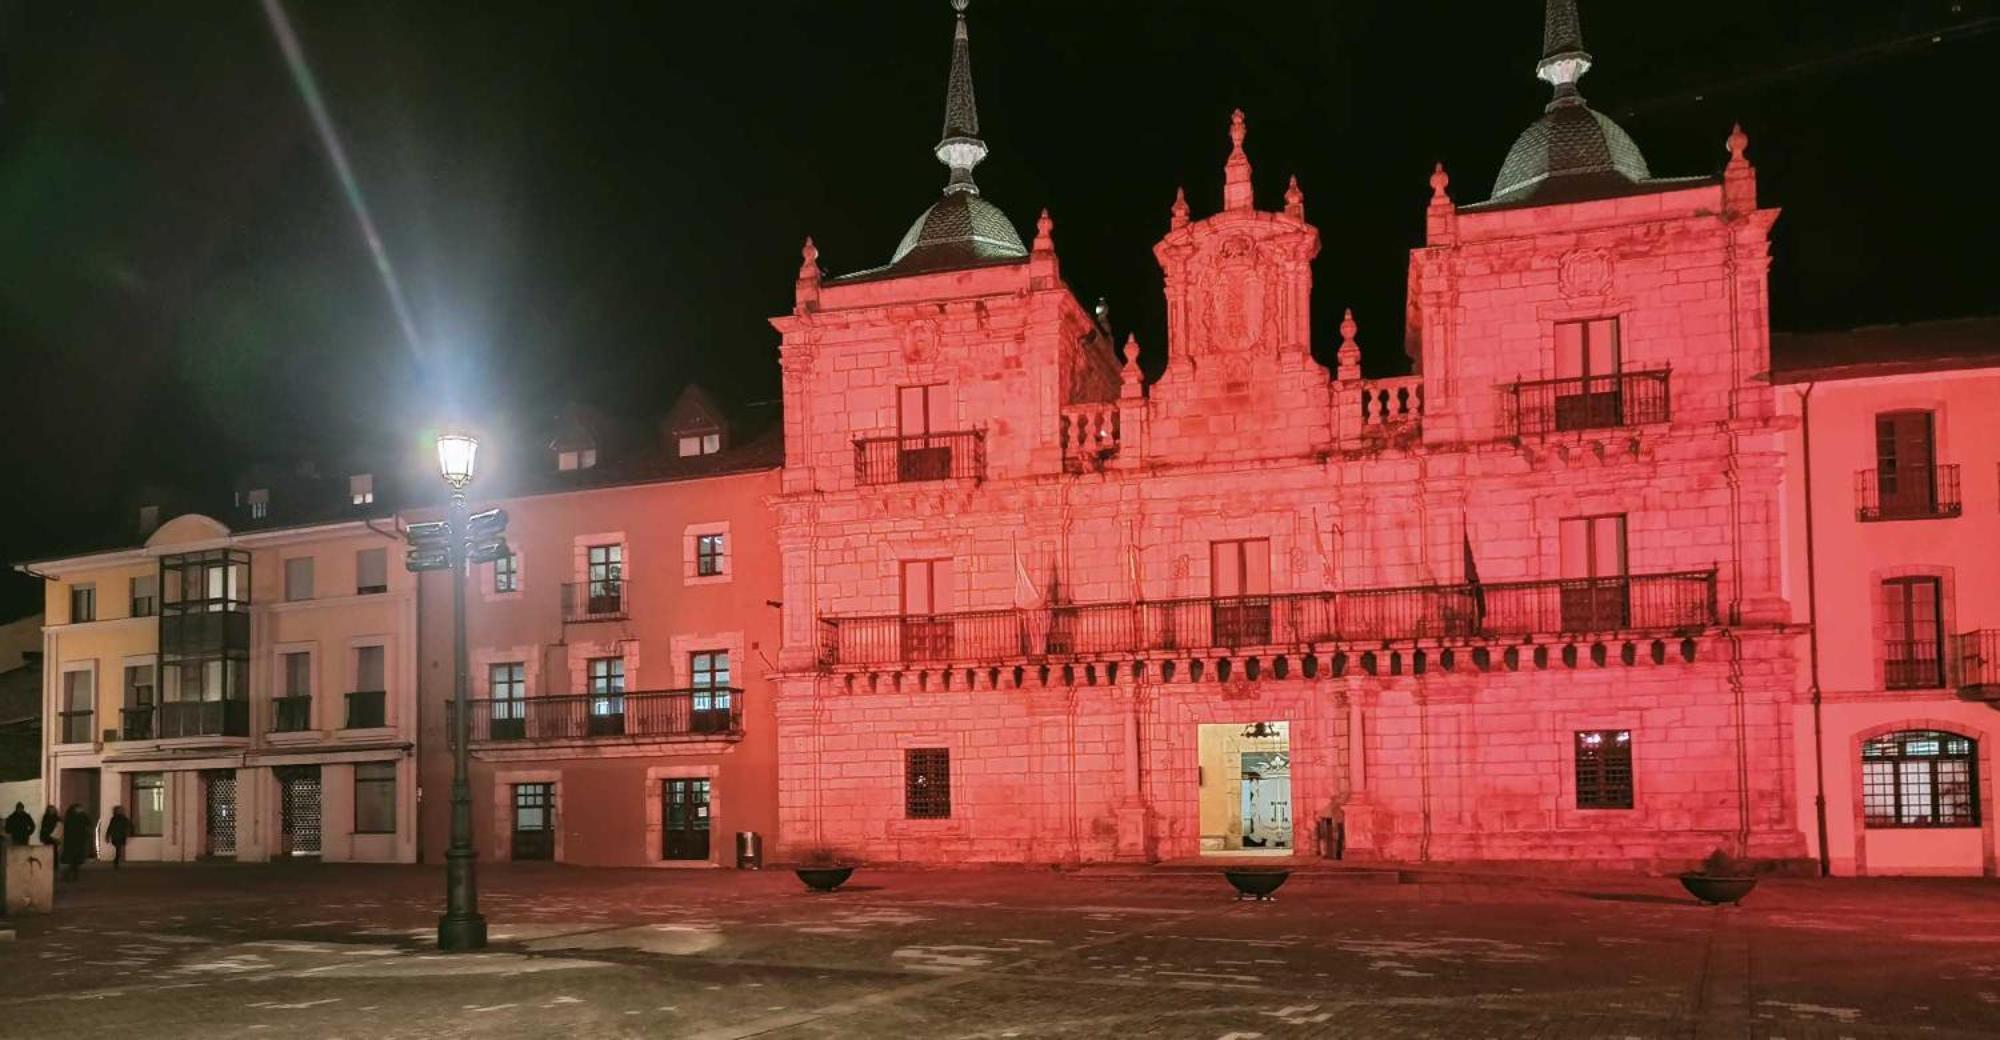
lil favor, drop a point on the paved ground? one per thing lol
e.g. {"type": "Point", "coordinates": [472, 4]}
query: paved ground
{"type": "Point", "coordinates": [342, 951]}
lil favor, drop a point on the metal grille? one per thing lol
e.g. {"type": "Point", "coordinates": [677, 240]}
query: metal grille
{"type": "Point", "coordinates": [1920, 778]}
{"type": "Point", "coordinates": [1604, 769]}
{"type": "Point", "coordinates": [927, 783]}
{"type": "Point", "coordinates": [300, 813]}
{"type": "Point", "coordinates": [221, 805]}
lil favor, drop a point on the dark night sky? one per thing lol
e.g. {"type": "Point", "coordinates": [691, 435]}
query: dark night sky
{"type": "Point", "coordinates": [602, 202]}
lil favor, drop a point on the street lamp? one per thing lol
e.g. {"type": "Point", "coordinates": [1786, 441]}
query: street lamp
{"type": "Point", "coordinates": [452, 544]}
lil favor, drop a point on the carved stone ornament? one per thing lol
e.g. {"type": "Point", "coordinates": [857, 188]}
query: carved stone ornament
{"type": "Point", "coordinates": [920, 341]}
{"type": "Point", "coordinates": [1584, 272]}
{"type": "Point", "coordinates": [1234, 292]}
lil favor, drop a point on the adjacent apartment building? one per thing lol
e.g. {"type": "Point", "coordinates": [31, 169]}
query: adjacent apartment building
{"type": "Point", "coordinates": [620, 712]}
{"type": "Point", "coordinates": [1893, 514]}
{"type": "Point", "coordinates": [244, 688]}
{"type": "Point", "coordinates": [1524, 602]}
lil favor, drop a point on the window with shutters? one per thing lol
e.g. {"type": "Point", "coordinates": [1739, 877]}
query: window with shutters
{"type": "Point", "coordinates": [1907, 482]}
{"type": "Point", "coordinates": [82, 603]}
{"type": "Point", "coordinates": [926, 608]}
{"type": "Point", "coordinates": [927, 783]}
{"type": "Point", "coordinates": [298, 578]}
{"type": "Point", "coordinates": [145, 595]}
{"type": "Point", "coordinates": [1913, 650]}
{"type": "Point", "coordinates": [1240, 588]}
{"type": "Point", "coordinates": [371, 571]}
{"type": "Point", "coordinates": [1604, 769]}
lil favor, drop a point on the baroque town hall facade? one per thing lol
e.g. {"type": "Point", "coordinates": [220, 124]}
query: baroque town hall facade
{"type": "Point", "coordinates": [1522, 603]}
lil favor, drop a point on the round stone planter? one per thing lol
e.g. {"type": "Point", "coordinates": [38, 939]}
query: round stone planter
{"type": "Point", "coordinates": [1256, 882]}
{"type": "Point", "coordinates": [823, 879]}
{"type": "Point", "coordinates": [1717, 889]}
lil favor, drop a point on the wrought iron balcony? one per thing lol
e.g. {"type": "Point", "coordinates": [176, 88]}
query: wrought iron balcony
{"type": "Point", "coordinates": [136, 723]}
{"type": "Point", "coordinates": [1591, 402]}
{"type": "Point", "coordinates": [367, 709]}
{"type": "Point", "coordinates": [959, 455]}
{"type": "Point", "coordinates": [602, 600]}
{"type": "Point", "coordinates": [1906, 494]}
{"type": "Point", "coordinates": [1912, 665]}
{"type": "Point", "coordinates": [1979, 664]}
{"type": "Point", "coordinates": [291, 714]}
{"type": "Point", "coordinates": [705, 714]}
{"type": "Point", "coordinates": [1677, 602]}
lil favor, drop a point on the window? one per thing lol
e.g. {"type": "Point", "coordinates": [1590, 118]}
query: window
{"type": "Point", "coordinates": [371, 571]}
{"type": "Point", "coordinates": [375, 798]}
{"type": "Point", "coordinates": [1595, 596]}
{"type": "Point", "coordinates": [145, 595]}
{"type": "Point", "coordinates": [927, 783]}
{"type": "Point", "coordinates": [1240, 584]}
{"type": "Point", "coordinates": [1905, 463]}
{"type": "Point", "coordinates": [707, 555]}
{"type": "Point", "coordinates": [361, 489]}
{"type": "Point", "coordinates": [708, 673]}
{"type": "Point", "coordinates": [507, 690]}
{"type": "Point", "coordinates": [258, 502]}
{"type": "Point", "coordinates": [927, 595]}
{"type": "Point", "coordinates": [607, 685]}
{"type": "Point", "coordinates": [1920, 778]}
{"type": "Point", "coordinates": [507, 573]}
{"type": "Point", "coordinates": [1604, 769]}
{"type": "Point", "coordinates": [79, 712]}
{"type": "Point", "coordinates": [298, 579]}
{"type": "Point", "coordinates": [605, 568]}
{"type": "Point", "coordinates": [368, 668]}
{"type": "Point", "coordinates": [82, 603]}
{"type": "Point", "coordinates": [1911, 657]}
{"type": "Point", "coordinates": [1589, 395]}
{"type": "Point", "coordinates": [367, 704]}
{"type": "Point", "coordinates": [921, 412]}
{"type": "Point", "coordinates": [294, 708]}
{"type": "Point", "coordinates": [149, 804]}
{"type": "Point", "coordinates": [298, 675]}
{"type": "Point", "coordinates": [692, 444]}
{"type": "Point", "coordinates": [583, 458]}
{"type": "Point", "coordinates": [139, 686]}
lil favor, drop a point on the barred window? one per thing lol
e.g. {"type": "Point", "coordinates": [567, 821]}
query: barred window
{"type": "Point", "coordinates": [1920, 778]}
{"type": "Point", "coordinates": [1604, 769]}
{"type": "Point", "coordinates": [927, 783]}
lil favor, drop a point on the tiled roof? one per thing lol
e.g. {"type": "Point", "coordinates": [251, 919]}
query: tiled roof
{"type": "Point", "coordinates": [1877, 350]}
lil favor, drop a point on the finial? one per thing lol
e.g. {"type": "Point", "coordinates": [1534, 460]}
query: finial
{"type": "Point", "coordinates": [809, 269]}
{"type": "Point", "coordinates": [1439, 180]}
{"type": "Point", "coordinates": [1347, 360]}
{"type": "Point", "coordinates": [1131, 352]}
{"type": "Point", "coordinates": [1564, 61]}
{"type": "Point", "coordinates": [960, 149]}
{"type": "Point", "coordinates": [1295, 200]}
{"type": "Point", "coordinates": [1236, 190]}
{"type": "Point", "coordinates": [1130, 376]}
{"type": "Point", "coordinates": [1179, 218]}
{"type": "Point", "coordinates": [1044, 241]}
{"type": "Point", "coordinates": [1738, 141]}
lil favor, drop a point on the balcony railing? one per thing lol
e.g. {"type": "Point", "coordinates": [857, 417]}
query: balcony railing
{"type": "Point", "coordinates": [1979, 663]}
{"type": "Point", "coordinates": [1089, 436]}
{"type": "Point", "coordinates": [136, 723]}
{"type": "Point", "coordinates": [1912, 665]}
{"type": "Point", "coordinates": [601, 600]}
{"type": "Point", "coordinates": [76, 727]}
{"type": "Point", "coordinates": [1682, 601]}
{"type": "Point", "coordinates": [1591, 402]}
{"type": "Point", "coordinates": [959, 455]}
{"type": "Point", "coordinates": [174, 719]}
{"type": "Point", "coordinates": [291, 714]}
{"type": "Point", "coordinates": [367, 709]}
{"type": "Point", "coordinates": [634, 713]}
{"type": "Point", "coordinates": [1906, 494]}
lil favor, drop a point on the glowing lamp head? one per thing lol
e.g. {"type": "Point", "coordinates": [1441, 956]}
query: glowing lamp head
{"type": "Point", "coordinates": [456, 452]}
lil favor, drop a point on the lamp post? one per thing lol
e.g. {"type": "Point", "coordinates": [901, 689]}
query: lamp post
{"type": "Point", "coordinates": [453, 544]}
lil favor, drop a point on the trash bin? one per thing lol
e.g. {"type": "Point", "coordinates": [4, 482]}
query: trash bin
{"type": "Point", "coordinates": [749, 850]}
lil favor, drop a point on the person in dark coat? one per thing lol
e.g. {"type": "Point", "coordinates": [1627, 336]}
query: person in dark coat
{"type": "Point", "coordinates": [20, 825]}
{"type": "Point", "coordinates": [51, 829]}
{"type": "Point", "coordinates": [115, 832]}
{"type": "Point", "coordinates": [76, 840]}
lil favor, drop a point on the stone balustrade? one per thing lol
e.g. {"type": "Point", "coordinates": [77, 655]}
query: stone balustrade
{"type": "Point", "coordinates": [1392, 402]}
{"type": "Point", "coordinates": [1089, 436]}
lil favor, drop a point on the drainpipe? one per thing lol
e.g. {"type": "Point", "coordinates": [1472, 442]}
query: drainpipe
{"type": "Point", "coordinates": [1812, 638]}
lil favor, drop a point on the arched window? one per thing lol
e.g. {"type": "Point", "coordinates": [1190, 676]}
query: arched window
{"type": "Point", "coordinates": [1920, 778]}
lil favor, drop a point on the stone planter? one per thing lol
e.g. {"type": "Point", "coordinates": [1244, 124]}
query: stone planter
{"type": "Point", "coordinates": [1717, 889]}
{"type": "Point", "coordinates": [1256, 882]}
{"type": "Point", "coordinates": [823, 879]}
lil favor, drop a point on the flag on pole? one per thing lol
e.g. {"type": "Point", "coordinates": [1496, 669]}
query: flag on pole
{"type": "Point", "coordinates": [1472, 577]}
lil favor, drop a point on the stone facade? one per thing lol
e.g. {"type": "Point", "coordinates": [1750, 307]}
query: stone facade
{"type": "Point", "coordinates": [1000, 543]}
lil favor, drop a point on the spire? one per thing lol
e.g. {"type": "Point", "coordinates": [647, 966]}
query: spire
{"type": "Point", "coordinates": [960, 149]}
{"type": "Point", "coordinates": [1564, 61]}
{"type": "Point", "coordinates": [1236, 190]}
{"type": "Point", "coordinates": [1177, 217]}
{"type": "Point", "coordinates": [1295, 200]}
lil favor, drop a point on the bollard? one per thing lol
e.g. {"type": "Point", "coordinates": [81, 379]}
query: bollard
{"type": "Point", "coordinates": [749, 850]}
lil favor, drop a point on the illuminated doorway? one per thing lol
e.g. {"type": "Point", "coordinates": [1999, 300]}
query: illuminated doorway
{"type": "Point", "coordinates": [1246, 788]}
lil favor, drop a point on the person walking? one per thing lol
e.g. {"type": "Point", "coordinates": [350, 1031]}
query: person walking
{"type": "Point", "coordinates": [115, 832]}
{"type": "Point", "coordinates": [20, 825]}
{"type": "Point", "coordinates": [77, 835]}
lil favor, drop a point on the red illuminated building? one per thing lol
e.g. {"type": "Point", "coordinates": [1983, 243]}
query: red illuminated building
{"type": "Point", "coordinates": [1522, 603]}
